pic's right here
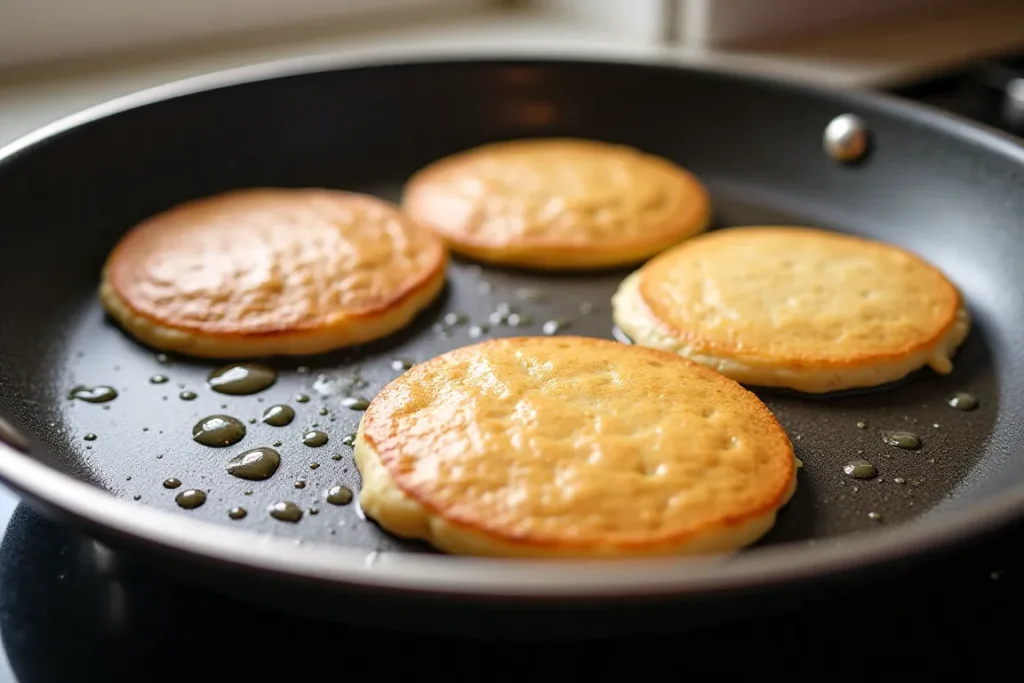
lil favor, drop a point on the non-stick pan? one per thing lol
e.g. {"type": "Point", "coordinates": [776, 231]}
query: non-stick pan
{"type": "Point", "coordinates": [938, 186]}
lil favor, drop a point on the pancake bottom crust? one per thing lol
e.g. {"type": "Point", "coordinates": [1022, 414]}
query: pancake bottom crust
{"type": "Point", "coordinates": [799, 308]}
{"type": "Point", "coordinates": [571, 447]}
{"type": "Point", "coordinates": [557, 204]}
{"type": "Point", "coordinates": [267, 272]}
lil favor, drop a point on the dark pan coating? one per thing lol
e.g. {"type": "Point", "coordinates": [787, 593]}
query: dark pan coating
{"type": "Point", "coordinates": [66, 200]}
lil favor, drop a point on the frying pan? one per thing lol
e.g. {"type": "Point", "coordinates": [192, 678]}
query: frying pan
{"type": "Point", "coordinates": [936, 185]}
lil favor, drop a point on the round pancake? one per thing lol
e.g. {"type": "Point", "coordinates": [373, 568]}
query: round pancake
{"type": "Point", "coordinates": [795, 307]}
{"type": "Point", "coordinates": [265, 272]}
{"type": "Point", "coordinates": [557, 204]}
{"type": "Point", "coordinates": [571, 447]}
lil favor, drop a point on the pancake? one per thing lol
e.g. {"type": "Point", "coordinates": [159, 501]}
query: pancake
{"type": "Point", "coordinates": [265, 272]}
{"type": "Point", "coordinates": [571, 447]}
{"type": "Point", "coordinates": [797, 308]}
{"type": "Point", "coordinates": [557, 204]}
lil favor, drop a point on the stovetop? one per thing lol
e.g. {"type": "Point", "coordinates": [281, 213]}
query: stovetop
{"type": "Point", "coordinates": [72, 611]}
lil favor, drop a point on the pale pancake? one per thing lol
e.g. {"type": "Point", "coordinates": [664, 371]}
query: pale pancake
{"type": "Point", "coordinates": [571, 447]}
{"type": "Point", "coordinates": [557, 203]}
{"type": "Point", "coordinates": [800, 308]}
{"type": "Point", "coordinates": [265, 272]}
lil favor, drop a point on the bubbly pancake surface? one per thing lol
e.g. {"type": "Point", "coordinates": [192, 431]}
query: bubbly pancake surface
{"type": "Point", "coordinates": [272, 271]}
{"type": "Point", "coordinates": [571, 447]}
{"type": "Point", "coordinates": [802, 308]}
{"type": "Point", "coordinates": [557, 203]}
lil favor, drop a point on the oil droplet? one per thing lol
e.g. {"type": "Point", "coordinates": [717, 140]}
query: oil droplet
{"type": "Point", "coordinates": [172, 483]}
{"type": "Point", "coordinates": [255, 465]}
{"type": "Point", "coordinates": [860, 469]}
{"type": "Point", "coordinates": [339, 495]}
{"type": "Point", "coordinates": [963, 401]}
{"type": "Point", "coordinates": [531, 295]}
{"type": "Point", "coordinates": [314, 439]}
{"type": "Point", "coordinates": [517, 320]}
{"type": "Point", "coordinates": [453, 319]}
{"type": "Point", "coordinates": [100, 394]}
{"type": "Point", "coordinates": [477, 331]}
{"type": "Point", "coordinates": [89, 437]}
{"type": "Point", "coordinates": [314, 511]}
{"type": "Point", "coordinates": [902, 440]}
{"type": "Point", "coordinates": [355, 403]}
{"type": "Point", "coordinates": [302, 370]}
{"type": "Point", "coordinates": [161, 358]}
{"type": "Point", "coordinates": [876, 516]}
{"type": "Point", "coordinates": [279, 415]}
{"type": "Point", "coordinates": [323, 411]}
{"type": "Point", "coordinates": [899, 480]}
{"type": "Point", "coordinates": [187, 396]}
{"type": "Point", "coordinates": [158, 379]}
{"type": "Point", "coordinates": [314, 465]}
{"type": "Point", "coordinates": [190, 498]}
{"type": "Point", "coordinates": [252, 420]}
{"type": "Point", "coordinates": [401, 364]}
{"type": "Point", "coordinates": [862, 425]}
{"type": "Point", "coordinates": [348, 440]}
{"type": "Point", "coordinates": [302, 398]}
{"type": "Point", "coordinates": [336, 457]}
{"type": "Point", "coordinates": [218, 431]}
{"type": "Point", "coordinates": [237, 512]}
{"type": "Point", "coordinates": [242, 379]}
{"type": "Point", "coordinates": [286, 511]}
{"type": "Point", "coordinates": [552, 327]}
{"type": "Point", "coordinates": [247, 493]}
{"type": "Point", "coordinates": [300, 483]}
{"type": "Point", "coordinates": [620, 336]}
{"type": "Point", "coordinates": [586, 308]}
{"type": "Point", "coordinates": [276, 444]}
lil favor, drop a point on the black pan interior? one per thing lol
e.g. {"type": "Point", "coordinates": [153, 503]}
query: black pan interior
{"type": "Point", "coordinates": [67, 199]}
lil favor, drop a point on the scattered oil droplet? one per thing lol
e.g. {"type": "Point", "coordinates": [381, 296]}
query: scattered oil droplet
{"type": "Point", "coordinates": [517, 320]}
{"type": "Point", "coordinates": [137, 497]}
{"type": "Point", "coordinates": [902, 440]}
{"type": "Point", "coordinates": [252, 420]}
{"type": "Point", "coordinates": [963, 401]}
{"type": "Point", "coordinates": [172, 483]}
{"type": "Point", "coordinates": [860, 469]}
{"type": "Point", "coordinates": [218, 431]}
{"type": "Point", "coordinates": [401, 364]}
{"type": "Point", "coordinates": [862, 425]}
{"type": "Point", "coordinates": [314, 511]}
{"type": "Point", "coordinates": [531, 295]}
{"type": "Point", "coordinates": [100, 394]}
{"type": "Point", "coordinates": [190, 498]}
{"type": "Point", "coordinates": [300, 483]}
{"type": "Point", "coordinates": [247, 493]}
{"type": "Point", "coordinates": [477, 331]}
{"type": "Point", "coordinates": [158, 379]}
{"type": "Point", "coordinates": [89, 437]}
{"type": "Point", "coordinates": [336, 457]}
{"type": "Point", "coordinates": [323, 411]}
{"type": "Point", "coordinates": [586, 308]}
{"type": "Point", "coordinates": [237, 512]}
{"type": "Point", "coordinates": [497, 318]}
{"type": "Point", "coordinates": [161, 358]}
{"type": "Point", "coordinates": [286, 511]}
{"type": "Point", "coordinates": [255, 465]}
{"type": "Point", "coordinates": [314, 465]}
{"type": "Point", "coordinates": [552, 327]}
{"type": "Point", "coordinates": [339, 495]}
{"type": "Point", "coordinates": [876, 516]}
{"type": "Point", "coordinates": [187, 396]}
{"type": "Point", "coordinates": [348, 440]}
{"type": "Point", "coordinates": [276, 444]}
{"type": "Point", "coordinates": [355, 403]}
{"type": "Point", "coordinates": [620, 336]}
{"type": "Point", "coordinates": [899, 480]}
{"type": "Point", "coordinates": [302, 398]}
{"type": "Point", "coordinates": [314, 439]}
{"type": "Point", "coordinates": [278, 415]}
{"type": "Point", "coordinates": [453, 319]}
{"type": "Point", "coordinates": [242, 379]}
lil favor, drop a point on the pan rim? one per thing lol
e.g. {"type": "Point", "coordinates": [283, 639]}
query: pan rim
{"type": "Point", "coordinates": [447, 575]}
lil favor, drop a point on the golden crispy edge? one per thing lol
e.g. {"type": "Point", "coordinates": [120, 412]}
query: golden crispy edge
{"type": "Point", "coordinates": [723, 350]}
{"type": "Point", "coordinates": [417, 517]}
{"type": "Point", "coordinates": [544, 254]}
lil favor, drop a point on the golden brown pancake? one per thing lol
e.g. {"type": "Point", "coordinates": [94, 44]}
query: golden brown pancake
{"type": "Point", "coordinates": [557, 203]}
{"type": "Point", "coordinates": [571, 447]}
{"type": "Point", "coordinates": [795, 307]}
{"type": "Point", "coordinates": [266, 272]}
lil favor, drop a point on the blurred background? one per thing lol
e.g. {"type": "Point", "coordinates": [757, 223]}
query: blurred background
{"type": "Point", "coordinates": [58, 56]}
